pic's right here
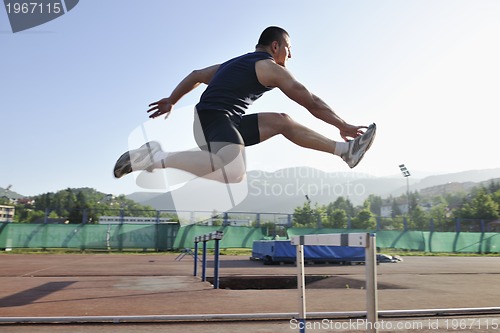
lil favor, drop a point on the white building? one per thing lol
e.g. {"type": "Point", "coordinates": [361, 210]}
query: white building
{"type": "Point", "coordinates": [133, 220]}
{"type": "Point", "coordinates": [7, 213]}
{"type": "Point", "coordinates": [386, 211]}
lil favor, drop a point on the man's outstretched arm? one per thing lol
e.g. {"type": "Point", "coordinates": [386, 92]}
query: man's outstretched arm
{"type": "Point", "coordinates": [273, 75]}
{"type": "Point", "coordinates": [190, 82]}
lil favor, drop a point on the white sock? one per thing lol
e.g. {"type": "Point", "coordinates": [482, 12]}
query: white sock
{"type": "Point", "coordinates": [341, 148]}
{"type": "Point", "coordinates": [159, 160]}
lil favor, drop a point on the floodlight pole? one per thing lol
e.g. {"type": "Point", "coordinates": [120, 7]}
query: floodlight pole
{"type": "Point", "coordinates": [406, 174]}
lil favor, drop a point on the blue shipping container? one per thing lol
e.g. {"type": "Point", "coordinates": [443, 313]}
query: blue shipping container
{"type": "Point", "coordinates": [283, 251]}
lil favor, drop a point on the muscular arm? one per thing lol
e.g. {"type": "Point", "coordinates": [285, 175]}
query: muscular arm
{"type": "Point", "coordinates": [190, 82]}
{"type": "Point", "coordinates": [193, 80]}
{"type": "Point", "coordinates": [272, 75]}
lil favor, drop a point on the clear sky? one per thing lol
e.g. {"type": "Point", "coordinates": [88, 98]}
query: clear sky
{"type": "Point", "coordinates": [74, 90]}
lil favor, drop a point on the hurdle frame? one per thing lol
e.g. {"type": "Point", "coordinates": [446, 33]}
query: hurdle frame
{"type": "Point", "coordinates": [217, 237]}
{"type": "Point", "coordinates": [365, 240]}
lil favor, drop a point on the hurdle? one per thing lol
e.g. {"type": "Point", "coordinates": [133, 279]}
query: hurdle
{"type": "Point", "coordinates": [365, 240]}
{"type": "Point", "coordinates": [217, 237]}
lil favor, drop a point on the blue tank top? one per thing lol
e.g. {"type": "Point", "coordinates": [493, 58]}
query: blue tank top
{"type": "Point", "coordinates": [234, 86]}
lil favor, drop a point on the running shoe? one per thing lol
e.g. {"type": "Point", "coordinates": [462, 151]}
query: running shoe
{"type": "Point", "coordinates": [137, 159]}
{"type": "Point", "coordinates": [359, 146]}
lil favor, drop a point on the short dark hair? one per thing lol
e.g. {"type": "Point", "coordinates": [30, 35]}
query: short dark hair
{"type": "Point", "coordinates": [271, 34]}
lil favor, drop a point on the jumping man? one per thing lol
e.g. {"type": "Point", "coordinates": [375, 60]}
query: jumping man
{"type": "Point", "coordinates": [222, 130]}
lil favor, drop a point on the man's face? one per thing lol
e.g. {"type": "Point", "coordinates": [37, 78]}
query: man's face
{"type": "Point", "coordinates": [283, 51]}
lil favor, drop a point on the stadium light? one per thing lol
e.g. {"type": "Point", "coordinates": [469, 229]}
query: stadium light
{"type": "Point", "coordinates": [406, 173]}
{"type": "Point", "coordinates": [404, 170]}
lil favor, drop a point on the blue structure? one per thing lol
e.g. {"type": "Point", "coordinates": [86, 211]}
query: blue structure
{"type": "Point", "coordinates": [283, 251]}
{"type": "Point", "coordinates": [215, 236]}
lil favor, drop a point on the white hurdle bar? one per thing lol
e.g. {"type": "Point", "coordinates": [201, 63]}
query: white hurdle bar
{"type": "Point", "coordinates": [365, 240]}
{"type": "Point", "coordinates": [214, 235]}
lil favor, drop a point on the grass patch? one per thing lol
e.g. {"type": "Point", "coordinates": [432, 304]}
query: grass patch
{"type": "Point", "coordinates": [413, 253]}
{"type": "Point", "coordinates": [80, 251]}
{"type": "Point", "coordinates": [236, 252]}
{"type": "Point", "coordinates": [228, 252]}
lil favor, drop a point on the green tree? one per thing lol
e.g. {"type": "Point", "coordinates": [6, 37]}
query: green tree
{"type": "Point", "coordinates": [438, 214]}
{"type": "Point", "coordinates": [482, 206]}
{"type": "Point", "coordinates": [33, 215]}
{"type": "Point", "coordinates": [307, 216]}
{"type": "Point", "coordinates": [493, 186]}
{"type": "Point", "coordinates": [413, 202]}
{"type": "Point", "coordinates": [376, 203]}
{"type": "Point", "coordinates": [455, 200]}
{"type": "Point", "coordinates": [336, 219]}
{"type": "Point", "coordinates": [364, 220]}
{"type": "Point", "coordinates": [343, 204]}
{"type": "Point", "coordinates": [21, 214]}
{"type": "Point", "coordinates": [496, 198]}
{"type": "Point", "coordinates": [396, 211]}
{"type": "Point", "coordinates": [75, 204]}
{"type": "Point", "coordinates": [418, 219]}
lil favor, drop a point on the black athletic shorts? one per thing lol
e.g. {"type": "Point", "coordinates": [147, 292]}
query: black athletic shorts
{"type": "Point", "coordinates": [215, 129]}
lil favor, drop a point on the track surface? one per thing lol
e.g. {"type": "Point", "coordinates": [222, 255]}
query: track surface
{"type": "Point", "coordinates": [156, 284]}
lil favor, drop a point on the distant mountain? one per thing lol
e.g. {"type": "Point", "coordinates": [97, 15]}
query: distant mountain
{"type": "Point", "coordinates": [467, 179]}
{"type": "Point", "coordinates": [9, 194]}
{"type": "Point", "coordinates": [284, 190]}
{"type": "Point", "coordinates": [475, 176]}
{"type": "Point", "coordinates": [142, 196]}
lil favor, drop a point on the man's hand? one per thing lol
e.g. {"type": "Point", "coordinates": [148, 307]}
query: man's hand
{"type": "Point", "coordinates": [193, 80]}
{"type": "Point", "coordinates": [351, 131]}
{"type": "Point", "coordinates": [161, 107]}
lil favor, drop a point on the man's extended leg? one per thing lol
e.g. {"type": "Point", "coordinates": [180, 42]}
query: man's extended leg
{"type": "Point", "coordinates": [271, 124]}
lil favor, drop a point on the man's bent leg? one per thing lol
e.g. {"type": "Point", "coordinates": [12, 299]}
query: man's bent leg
{"type": "Point", "coordinates": [225, 166]}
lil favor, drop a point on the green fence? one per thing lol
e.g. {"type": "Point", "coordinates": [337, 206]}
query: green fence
{"type": "Point", "coordinates": [234, 237]}
{"type": "Point", "coordinates": [449, 242]}
{"type": "Point", "coordinates": [161, 237]}
{"type": "Point", "coordinates": [88, 236]}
